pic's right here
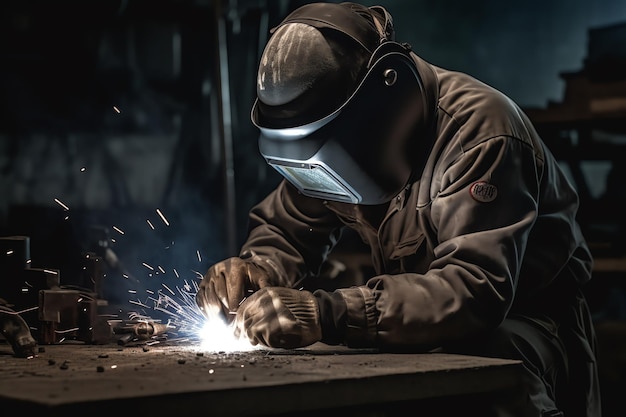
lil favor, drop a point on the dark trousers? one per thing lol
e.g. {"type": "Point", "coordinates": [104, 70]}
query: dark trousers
{"type": "Point", "coordinates": [558, 353]}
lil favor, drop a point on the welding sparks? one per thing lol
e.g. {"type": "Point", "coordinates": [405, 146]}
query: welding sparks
{"type": "Point", "coordinates": [59, 202]}
{"type": "Point", "coordinates": [175, 305]}
{"type": "Point", "coordinates": [162, 217]}
{"type": "Point", "coordinates": [139, 303]}
{"type": "Point", "coordinates": [187, 320]}
{"type": "Point", "coordinates": [169, 289]}
{"type": "Point", "coordinates": [116, 110]}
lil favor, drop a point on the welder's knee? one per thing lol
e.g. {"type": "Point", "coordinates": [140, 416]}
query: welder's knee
{"type": "Point", "coordinates": [537, 345]}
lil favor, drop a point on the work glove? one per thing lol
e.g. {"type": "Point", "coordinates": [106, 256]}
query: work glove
{"type": "Point", "coordinates": [226, 284]}
{"type": "Point", "coordinates": [279, 317]}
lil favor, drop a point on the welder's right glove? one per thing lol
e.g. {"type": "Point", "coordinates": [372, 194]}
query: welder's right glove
{"type": "Point", "coordinates": [279, 317]}
{"type": "Point", "coordinates": [226, 284]}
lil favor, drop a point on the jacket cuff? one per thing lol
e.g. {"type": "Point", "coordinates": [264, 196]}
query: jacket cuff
{"type": "Point", "coordinates": [361, 317]}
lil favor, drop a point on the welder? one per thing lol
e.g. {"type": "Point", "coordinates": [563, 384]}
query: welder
{"type": "Point", "coordinates": [470, 219]}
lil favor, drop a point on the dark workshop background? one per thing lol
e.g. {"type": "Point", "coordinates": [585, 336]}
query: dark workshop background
{"type": "Point", "coordinates": [113, 111]}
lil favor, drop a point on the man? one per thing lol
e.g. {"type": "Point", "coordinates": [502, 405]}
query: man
{"type": "Point", "coordinates": [470, 220]}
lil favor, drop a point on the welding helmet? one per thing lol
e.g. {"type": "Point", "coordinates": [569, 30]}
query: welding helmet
{"type": "Point", "coordinates": [340, 104]}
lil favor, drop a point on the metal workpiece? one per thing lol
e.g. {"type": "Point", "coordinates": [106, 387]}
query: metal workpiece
{"type": "Point", "coordinates": [138, 330]}
{"type": "Point", "coordinates": [17, 333]}
{"type": "Point", "coordinates": [37, 299]}
{"type": "Point", "coordinates": [67, 314]}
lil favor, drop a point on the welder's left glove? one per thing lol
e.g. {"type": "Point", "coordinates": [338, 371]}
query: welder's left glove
{"type": "Point", "coordinates": [279, 317]}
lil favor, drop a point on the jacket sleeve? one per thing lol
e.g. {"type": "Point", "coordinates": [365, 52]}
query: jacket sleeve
{"type": "Point", "coordinates": [291, 235]}
{"type": "Point", "coordinates": [480, 243]}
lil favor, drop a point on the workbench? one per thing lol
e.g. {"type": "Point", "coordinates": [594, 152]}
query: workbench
{"type": "Point", "coordinates": [179, 379]}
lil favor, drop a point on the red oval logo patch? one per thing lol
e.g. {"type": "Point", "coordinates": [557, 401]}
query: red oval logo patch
{"type": "Point", "coordinates": [483, 191]}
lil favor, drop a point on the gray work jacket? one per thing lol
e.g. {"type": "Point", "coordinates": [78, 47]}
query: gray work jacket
{"type": "Point", "coordinates": [487, 230]}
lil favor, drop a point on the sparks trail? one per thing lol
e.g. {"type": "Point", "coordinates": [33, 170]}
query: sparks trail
{"type": "Point", "coordinates": [184, 312]}
{"type": "Point", "coordinates": [178, 305]}
{"type": "Point", "coordinates": [186, 320]}
{"type": "Point", "coordinates": [174, 306]}
{"type": "Point", "coordinates": [162, 217]}
{"type": "Point", "coordinates": [59, 202]}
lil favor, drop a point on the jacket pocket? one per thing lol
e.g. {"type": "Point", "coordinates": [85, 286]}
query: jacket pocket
{"type": "Point", "coordinates": [410, 256]}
